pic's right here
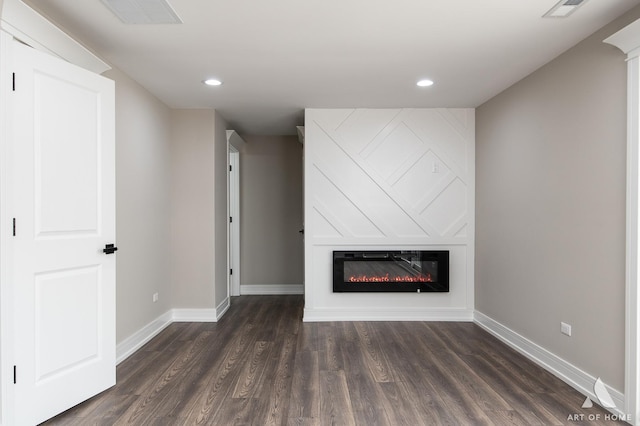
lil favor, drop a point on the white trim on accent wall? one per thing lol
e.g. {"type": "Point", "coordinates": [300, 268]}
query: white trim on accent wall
{"type": "Point", "coordinates": [433, 153]}
{"type": "Point", "coordinates": [567, 372]}
{"type": "Point", "coordinates": [271, 289]}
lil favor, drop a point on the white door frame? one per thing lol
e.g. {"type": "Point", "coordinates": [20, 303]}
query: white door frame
{"type": "Point", "coordinates": [234, 225]}
{"type": "Point", "coordinates": [6, 246]}
{"type": "Point", "coordinates": [628, 40]}
{"type": "Point", "coordinates": [632, 302]}
{"type": "Point", "coordinates": [234, 145]}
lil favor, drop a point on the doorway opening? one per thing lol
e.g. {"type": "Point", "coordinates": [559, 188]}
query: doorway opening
{"type": "Point", "coordinates": [234, 144]}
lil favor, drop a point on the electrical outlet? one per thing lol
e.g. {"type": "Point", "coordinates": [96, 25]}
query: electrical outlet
{"type": "Point", "coordinates": [565, 328]}
{"type": "Point", "coordinates": [155, 297]}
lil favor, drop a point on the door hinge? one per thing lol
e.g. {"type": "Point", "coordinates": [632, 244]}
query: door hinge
{"type": "Point", "coordinates": [230, 219]}
{"type": "Point", "coordinates": [15, 375]}
{"type": "Point", "coordinates": [14, 81]}
{"type": "Point", "coordinates": [14, 226]}
{"type": "Point", "coordinates": [230, 168]}
{"type": "Point", "coordinates": [230, 271]}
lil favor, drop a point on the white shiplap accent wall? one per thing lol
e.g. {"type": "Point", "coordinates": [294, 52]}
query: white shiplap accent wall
{"type": "Point", "coordinates": [393, 179]}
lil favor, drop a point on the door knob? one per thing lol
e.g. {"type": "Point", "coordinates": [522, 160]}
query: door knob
{"type": "Point", "coordinates": [109, 249]}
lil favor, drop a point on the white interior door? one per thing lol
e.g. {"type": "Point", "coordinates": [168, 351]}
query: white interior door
{"type": "Point", "coordinates": [64, 208]}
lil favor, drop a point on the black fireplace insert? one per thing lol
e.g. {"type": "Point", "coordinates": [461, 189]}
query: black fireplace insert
{"type": "Point", "coordinates": [391, 271]}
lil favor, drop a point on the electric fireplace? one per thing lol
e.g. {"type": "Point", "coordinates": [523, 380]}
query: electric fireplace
{"type": "Point", "coordinates": [391, 271]}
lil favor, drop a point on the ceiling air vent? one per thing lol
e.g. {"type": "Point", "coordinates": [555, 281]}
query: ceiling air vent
{"type": "Point", "coordinates": [564, 8]}
{"type": "Point", "coordinates": [140, 12]}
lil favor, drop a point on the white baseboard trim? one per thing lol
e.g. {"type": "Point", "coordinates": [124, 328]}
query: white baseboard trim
{"type": "Point", "coordinates": [382, 314]}
{"type": "Point", "coordinates": [222, 308]}
{"type": "Point", "coordinates": [194, 315]}
{"type": "Point", "coordinates": [131, 344]}
{"type": "Point", "coordinates": [271, 289]}
{"type": "Point", "coordinates": [565, 371]}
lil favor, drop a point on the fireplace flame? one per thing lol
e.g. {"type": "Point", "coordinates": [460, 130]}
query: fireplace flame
{"type": "Point", "coordinates": [387, 279]}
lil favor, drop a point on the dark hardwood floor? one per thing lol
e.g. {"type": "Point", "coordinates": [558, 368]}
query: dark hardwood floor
{"type": "Point", "coordinates": [261, 365]}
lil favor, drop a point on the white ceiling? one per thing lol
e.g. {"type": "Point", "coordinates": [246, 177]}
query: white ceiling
{"type": "Point", "coordinates": [277, 57]}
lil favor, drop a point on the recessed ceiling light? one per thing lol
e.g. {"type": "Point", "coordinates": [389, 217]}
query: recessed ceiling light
{"type": "Point", "coordinates": [212, 82]}
{"type": "Point", "coordinates": [424, 83]}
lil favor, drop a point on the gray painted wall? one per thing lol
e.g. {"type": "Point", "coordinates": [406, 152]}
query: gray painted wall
{"type": "Point", "coordinates": [550, 206]}
{"type": "Point", "coordinates": [198, 208]}
{"type": "Point", "coordinates": [271, 210]}
{"type": "Point", "coordinates": [171, 207]}
{"type": "Point", "coordinates": [142, 205]}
